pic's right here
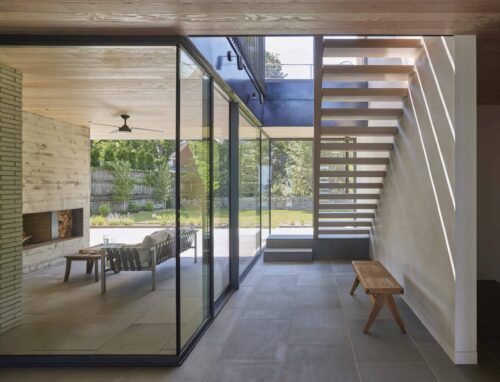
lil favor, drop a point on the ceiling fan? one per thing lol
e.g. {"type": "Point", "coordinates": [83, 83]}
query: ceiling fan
{"type": "Point", "coordinates": [123, 128]}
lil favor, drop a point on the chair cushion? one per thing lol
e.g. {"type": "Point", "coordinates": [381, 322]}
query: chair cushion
{"type": "Point", "coordinates": [155, 238]}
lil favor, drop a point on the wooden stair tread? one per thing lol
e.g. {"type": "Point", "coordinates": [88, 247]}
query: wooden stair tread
{"type": "Point", "coordinates": [353, 174]}
{"type": "Point", "coordinates": [363, 94]}
{"type": "Point", "coordinates": [359, 130]}
{"type": "Point", "coordinates": [346, 215]}
{"type": "Point", "coordinates": [366, 72]}
{"type": "Point", "coordinates": [347, 113]}
{"type": "Point", "coordinates": [349, 206]}
{"type": "Point", "coordinates": [357, 146]}
{"type": "Point", "coordinates": [383, 47]}
{"type": "Point", "coordinates": [357, 160]}
{"type": "Point", "coordinates": [374, 186]}
{"type": "Point", "coordinates": [345, 231]}
{"type": "Point", "coordinates": [348, 196]}
{"type": "Point", "coordinates": [346, 223]}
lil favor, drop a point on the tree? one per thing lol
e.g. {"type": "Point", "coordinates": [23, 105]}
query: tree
{"type": "Point", "coordinates": [94, 157]}
{"type": "Point", "coordinates": [123, 184]}
{"type": "Point", "coordinates": [163, 184]}
{"type": "Point", "coordinates": [109, 153]}
{"type": "Point", "coordinates": [274, 67]}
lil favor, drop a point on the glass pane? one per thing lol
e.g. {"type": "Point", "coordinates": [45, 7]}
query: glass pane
{"type": "Point", "coordinates": [291, 187]}
{"type": "Point", "coordinates": [194, 196]}
{"type": "Point", "coordinates": [221, 193]}
{"type": "Point", "coordinates": [265, 189]}
{"type": "Point", "coordinates": [93, 187]}
{"type": "Point", "coordinates": [249, 203]}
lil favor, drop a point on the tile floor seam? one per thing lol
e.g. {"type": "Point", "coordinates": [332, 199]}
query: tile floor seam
{"type": "Point", "coordinates": [425, 360]}
{"type": "Point", "coordinates": [358, 371]}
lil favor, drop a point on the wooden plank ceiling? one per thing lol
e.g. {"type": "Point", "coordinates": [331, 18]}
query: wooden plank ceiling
{"type": "Point", "coordinates": [93, 86]}
{"type": "Point", "coordinates": [265, 17]}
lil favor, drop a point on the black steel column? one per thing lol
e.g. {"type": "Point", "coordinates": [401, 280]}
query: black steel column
{"type": "Point", "coordinates": [234, 179]}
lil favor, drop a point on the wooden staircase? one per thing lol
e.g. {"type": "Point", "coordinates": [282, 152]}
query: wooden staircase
{"type": "Point", "coordinates": [358, 82]}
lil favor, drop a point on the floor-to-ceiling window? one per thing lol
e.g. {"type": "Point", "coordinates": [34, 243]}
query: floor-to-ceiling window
{"type": "Point", "coordinates": [163, 168]}
{"type": "Point", "coordinates": [265, 188]}
{"type": "Point", "coordinates": [249, 192]}
{"type": "Point", "coordinates": [220, 181]}
{"type": "Point", "coordinates": [194, 194]}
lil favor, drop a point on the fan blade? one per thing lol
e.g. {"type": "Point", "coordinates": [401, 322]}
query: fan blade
{"type": "Point", "coordinates": [115, 131]}
{"type": "Point", "coordinates": [140, 128]}
{"type": "Point", "coordinates": [103, 124]}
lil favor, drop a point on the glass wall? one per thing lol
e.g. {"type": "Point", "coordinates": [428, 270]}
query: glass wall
{"type": "Point", "coordinates": [265, 188]}
{"type": "Point", "coordinates": [155, 253]}
{"type": "Point", "coordinates": [249, 192]}
{"type": "Point", "coordinates": [194, 196]}
{"type": "Point", "coordinates": [221, 192]}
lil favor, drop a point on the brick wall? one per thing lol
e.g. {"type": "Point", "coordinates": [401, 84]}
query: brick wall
{"type": "Point", "coordinates": [10, 198]}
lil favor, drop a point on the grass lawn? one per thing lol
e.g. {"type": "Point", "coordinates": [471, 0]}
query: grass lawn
{"type": "Point", "coordinates": [248, 219]}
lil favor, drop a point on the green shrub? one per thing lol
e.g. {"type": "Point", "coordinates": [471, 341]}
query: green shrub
{"type": "Point", "coordinates": [120, 220]}
{"type": "Point", "coordinates": [133, 207]}
{"type": "Point", "coordinates": [148, 206]}
{"type": "Point", "coordinates": [104, 210]}
{"type": "Point", "coordinates": [165, 219]}
{"type": "Point", "coordinates": [97, 220]}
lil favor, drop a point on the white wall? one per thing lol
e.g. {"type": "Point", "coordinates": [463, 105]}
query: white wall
{"type": "Point", "coordinates": [421, 232]}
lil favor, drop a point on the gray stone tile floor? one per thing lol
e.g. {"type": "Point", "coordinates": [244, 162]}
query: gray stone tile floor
{"type": "Point", "coordinates": [284, 324]}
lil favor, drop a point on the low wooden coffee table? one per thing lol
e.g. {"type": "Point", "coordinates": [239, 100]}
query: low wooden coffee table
{"type": "Point", "coordinates": [91, 255]}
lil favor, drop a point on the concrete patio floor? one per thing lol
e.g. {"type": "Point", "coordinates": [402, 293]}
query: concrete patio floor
{"type": "Point", "coordinates": [297, 322]}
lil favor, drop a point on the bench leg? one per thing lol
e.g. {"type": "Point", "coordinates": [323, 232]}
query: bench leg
{"type": "Point", "coordinates": [354, 285]}
{"type": "Point", "coordinates": [68, 270]}
{"type": "Point", "coordinates": [379, 303]}
{"type": "Point", "coordinates": [391, 304]}
{"type": "Point", "coordinates": [96, 269]}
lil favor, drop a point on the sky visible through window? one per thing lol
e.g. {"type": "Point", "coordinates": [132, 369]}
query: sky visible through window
{"type": "Point", "coordinates": [295, 55]}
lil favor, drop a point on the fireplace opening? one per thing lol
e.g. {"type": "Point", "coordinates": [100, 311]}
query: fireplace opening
{"type": "Point", "coordinates": [44, 227]}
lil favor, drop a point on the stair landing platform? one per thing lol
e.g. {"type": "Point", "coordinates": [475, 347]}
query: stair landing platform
{"type": "Point", "coordinates": [289, 247]}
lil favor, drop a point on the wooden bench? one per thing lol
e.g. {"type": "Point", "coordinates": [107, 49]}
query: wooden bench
{"type": "Point", "coordinates": [380, 285]}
